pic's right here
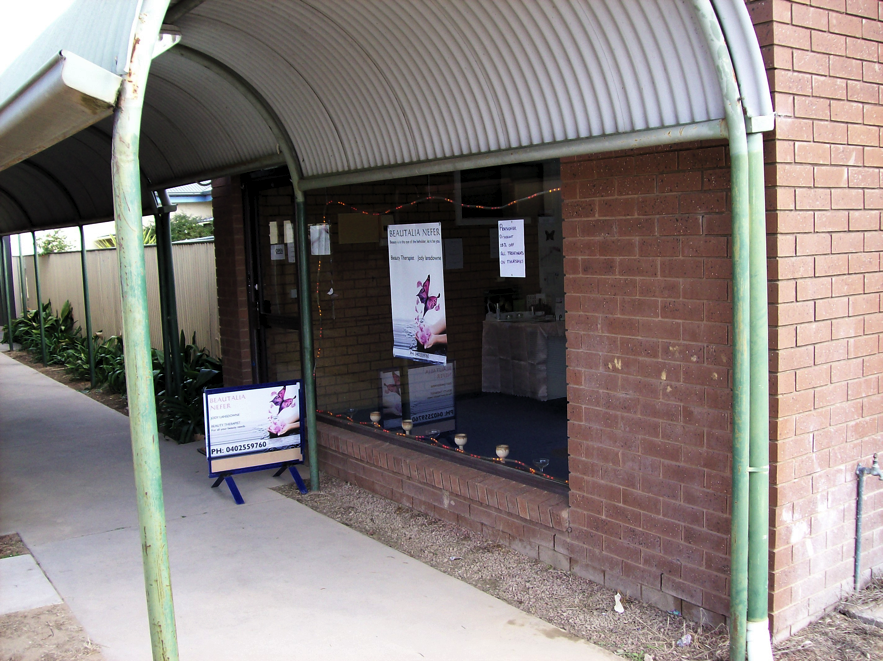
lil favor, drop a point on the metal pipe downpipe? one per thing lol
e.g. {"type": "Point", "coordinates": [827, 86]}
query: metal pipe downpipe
{"type": "Point", "coordinates": [748, 355]}
{"type": "Point", "coordinates": [757, 630]}
{"type": "Point", "coordinates": [860, 472]}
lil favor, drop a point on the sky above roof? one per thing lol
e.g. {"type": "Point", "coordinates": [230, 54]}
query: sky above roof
{"type": "Point", "coordinates": [21, 23]}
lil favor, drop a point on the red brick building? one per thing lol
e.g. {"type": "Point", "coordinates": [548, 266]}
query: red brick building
{"type": "Point", "coordinates": [424, 90]}
{"type": "Point", "coordinates": [648, 295]}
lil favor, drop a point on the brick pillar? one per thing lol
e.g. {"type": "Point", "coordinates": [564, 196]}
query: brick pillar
{"type": "Point", "coordinates": [826, 318]}
{"type": "Point", "coordinates": [232, 285]}
{"type": "Point", "coordinates": [647, 276]}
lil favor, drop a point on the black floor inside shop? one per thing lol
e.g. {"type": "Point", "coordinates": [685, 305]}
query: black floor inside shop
{"type": "Point", "coordinates": [532, 429]}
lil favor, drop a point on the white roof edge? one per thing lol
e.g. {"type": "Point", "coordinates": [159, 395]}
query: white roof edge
{"type": "Point", "coordinates": [747, 59]}
{"type": "Point", "coordinates": [83, 76]}
{"type": "Point", "coordinates": [65, 96]}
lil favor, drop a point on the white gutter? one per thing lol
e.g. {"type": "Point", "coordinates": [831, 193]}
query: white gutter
{"type": "Point", "coordinates": [65, 96]}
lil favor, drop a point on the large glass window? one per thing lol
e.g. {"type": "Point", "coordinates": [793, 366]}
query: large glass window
{"type": "Point", "coordinates": [502, 382]}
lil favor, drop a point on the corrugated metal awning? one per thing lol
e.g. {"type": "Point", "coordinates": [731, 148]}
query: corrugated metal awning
{"type": "Point", "coordinates": [366, 84]}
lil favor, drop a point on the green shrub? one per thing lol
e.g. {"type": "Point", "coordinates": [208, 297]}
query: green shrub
{"type": "Point", "coordinates": [184, 416]}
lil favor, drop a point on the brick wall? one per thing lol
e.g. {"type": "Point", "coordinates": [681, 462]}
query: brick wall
{"type": "Point", "coordinates": [648, 281]}
{"type": "Point", "coordinates": [232, 284]}
{"type": "Point", "coordinates": [823, 199]}
{"type": "Point", "coordinates": [531, 520]}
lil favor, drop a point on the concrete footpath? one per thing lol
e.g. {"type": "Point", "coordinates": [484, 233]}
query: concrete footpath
{"type": "Point", "coordinates": [267, 580]}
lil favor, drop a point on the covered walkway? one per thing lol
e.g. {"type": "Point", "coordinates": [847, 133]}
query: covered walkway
{"type": "Point", "coordinates": [268, 580]}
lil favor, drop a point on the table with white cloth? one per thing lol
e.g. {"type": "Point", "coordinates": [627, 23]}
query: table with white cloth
{"type": "Point", "coordinates": [525, 358]}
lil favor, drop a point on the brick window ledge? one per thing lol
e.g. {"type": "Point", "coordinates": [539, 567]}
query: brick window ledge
{"type": "Point", "coordinates": [531, 520]}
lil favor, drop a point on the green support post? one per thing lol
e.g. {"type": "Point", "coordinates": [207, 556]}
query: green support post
{"type": "Point", "coordinates": [167, 291]}
{"type": "Point", "coordinates": [87, 308]}
{"type": "Point", "coordinates": [39, 300]}
{"type": "Point", "coordinates": [758, 635]}
{"type": "Point", "coordinates": [306, 324]}
{"type": "Point", "coordinates": [8, 289]}
{"type": "Point", "coordinates": [739, 185]}
{"type": "Point", "coordinates": [163, 309]}
{"type": "Point", "coordinates": [136, 329]}
{"type": "Point", "coordinates": [303, 240]}
{"type": "Point", "coordinates": [21, 277]}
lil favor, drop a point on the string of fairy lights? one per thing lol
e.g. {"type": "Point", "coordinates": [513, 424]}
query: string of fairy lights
{"type": "Point", "coordinates": [437, 198]}
{"type": "Point", "coordinates": [318, 350]}
{"type": "Point", "coordinates": [432, 440]}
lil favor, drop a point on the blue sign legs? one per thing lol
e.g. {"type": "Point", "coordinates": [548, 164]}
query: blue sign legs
{"type": "Point", "coordinates": [297, 478]}
{"type": "Point", "coordinates": [228, 478]}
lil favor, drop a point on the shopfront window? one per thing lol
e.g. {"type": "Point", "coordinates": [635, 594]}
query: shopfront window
{"type": "Point", "coordinates": [417, 330]}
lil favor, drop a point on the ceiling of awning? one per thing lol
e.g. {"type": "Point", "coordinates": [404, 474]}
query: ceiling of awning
{"type": "Point", "coordinates": [361, 84]}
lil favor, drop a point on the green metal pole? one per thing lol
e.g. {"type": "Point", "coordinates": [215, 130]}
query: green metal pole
{"type": "Point", "coordinates": [163, 308]}
{"type": "Point", "coordinates": [739, 183]}
{"type": "Point", "coordinates": [759, 452]}
{"type": "Point", "coordinates": [136, 329]}
{"type": "Point", "coordinates": [306, 324]}
{"type": "Point", "coordinates": [39, 300]}
{"type": "Point", "coordinates": [167, 284]}
{"type": "Point", "coordinates": [8, 290]}
{"type": "Point", "coordinates": [87, 307]}
{"type": "Point", "coordinates": [274, 123]}
{"type": "Point", "coordinates": [21, 278]}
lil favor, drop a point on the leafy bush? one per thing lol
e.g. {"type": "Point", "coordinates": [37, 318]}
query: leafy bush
{"type": "Point", "coordinates": [184, 415]}
{"type": "Point", "coordinates": [110, 241]}
{"type": "Point", "coordinates": [183, 226]}
{"type": "Point", "coordinates": [59, 330]}
{"type": "Point", "coordinates": [54, 241]}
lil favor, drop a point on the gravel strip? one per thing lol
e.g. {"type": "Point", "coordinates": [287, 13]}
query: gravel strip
{"type": "Point", "coordinates": [575, 604]}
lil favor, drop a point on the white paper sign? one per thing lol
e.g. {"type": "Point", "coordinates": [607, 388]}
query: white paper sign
{"type": "Point", "coordinates": [288, 231]}
{"type": "Point", "coordinates": [417, 283]}
{"type": "Point", "coordinates": [431, 391]}
{"type": "Point", "coordinates": [512, 248]}
{"type": "Point", "coordinates": [274, 232]}
{"type": "Point", "coordinates": [277, 252]}
{"type": "Point", "coordinates": [320, 240]}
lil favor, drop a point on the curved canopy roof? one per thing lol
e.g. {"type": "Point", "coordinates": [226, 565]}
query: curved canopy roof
{"type": "Point", "coordinates": [365, 84]}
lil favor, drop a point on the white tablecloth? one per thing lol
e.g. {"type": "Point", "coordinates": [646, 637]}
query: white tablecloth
{"type": "Point", "coordinates": [514, 356]}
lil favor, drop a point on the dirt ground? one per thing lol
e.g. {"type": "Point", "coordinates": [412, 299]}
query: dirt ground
{"type": "Point", "coordinates": [583, 608]}
{"type": "Point", "coordinates": [50, 633]}
{"type": "Point", "coordinates": [580, 607]}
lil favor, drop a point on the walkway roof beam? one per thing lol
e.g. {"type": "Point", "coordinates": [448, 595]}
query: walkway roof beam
{"type": "Point", "coordinates": [710, 130]}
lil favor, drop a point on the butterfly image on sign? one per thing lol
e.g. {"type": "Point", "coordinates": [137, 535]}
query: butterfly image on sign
{"type": "Point", "coordinates": [429, 302]}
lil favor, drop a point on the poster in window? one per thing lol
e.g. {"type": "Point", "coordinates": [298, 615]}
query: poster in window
{"type": "Point", "coordinates": [431, 393]}
{"type": "Point", "coordinates": [391, 398]}
{"type": "Point", "coordinates": [417, 284]}
{"type": "Point", "coordinates": [512, 248]}
{"type": "Point", "coordinates": [320, 239]}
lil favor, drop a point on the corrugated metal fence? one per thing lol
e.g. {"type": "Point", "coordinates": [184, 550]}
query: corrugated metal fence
{"type": "Point", "coordinates": [195, 288]}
